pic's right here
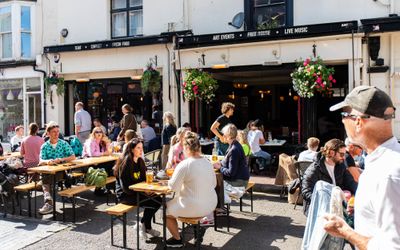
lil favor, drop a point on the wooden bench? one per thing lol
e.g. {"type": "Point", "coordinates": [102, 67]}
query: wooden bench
{"type": "Point", "coordinates": [249, 189]}
{"type": "Point", "coordinates": [195, 221]}
{"type": "Point", "coordinates": [75, 190]}
{"type": "Point", "coordinates": [27, 188]}
{"type": "Point", "coordinates": [118, 212]}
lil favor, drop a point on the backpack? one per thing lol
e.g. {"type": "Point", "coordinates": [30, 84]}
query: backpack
{"type": "Point", "coordinates": [8, 180]}
{"type": "Point", "coordinates": [76, 146]}
{"type": "Point", "coordinates": [96, 177]}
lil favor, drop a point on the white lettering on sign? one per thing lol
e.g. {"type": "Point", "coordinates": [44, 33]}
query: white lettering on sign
{"type": "Point", "coordinates": [288, 31]}
{"type": "Point", "coordinates": [301, 30]}
{"type": "Point", "coordinates": [264, 33]}
{"type": "Point", "coordinates": [252, 34]}
{"type": "Point", "coordinates": [126, 43]}
{"type": "Point", "coordinates": [116, 44]}
{"type": "Point", "coordinates": [227, 36]}
{"type": "Point", "coordinates": [216, 37]}
{"type": "Point", "coordinates": [78, 47]}
{"type": "Point", "coordinates": [95, 46]}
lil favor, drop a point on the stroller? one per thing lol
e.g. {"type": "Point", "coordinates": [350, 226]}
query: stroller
{"type": "Point", "coordinates": [8, 180]}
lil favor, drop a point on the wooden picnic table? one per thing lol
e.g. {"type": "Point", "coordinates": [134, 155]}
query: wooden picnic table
{"type": "Point", "coordinates": [78, 163]}
{"type": "Point", "coordinates": [13, 154]}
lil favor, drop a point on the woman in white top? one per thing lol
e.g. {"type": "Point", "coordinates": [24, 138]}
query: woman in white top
{"type": "Point", "coordinates": [194, 182]}
{"type": "Point", "coordinates": [255, 138]}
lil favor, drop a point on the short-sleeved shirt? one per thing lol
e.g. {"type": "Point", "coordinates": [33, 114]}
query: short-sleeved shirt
{"type": "Point", "coordinates": [62, 150]}
{"type": "Point", "coordinates": [246, 149]}
{"type": "Point", "coordinates": [223, 121]}
{"type": "Point", "coordinates": [253, 137]}
{"type": "Point", "coordinates": [82, 118]}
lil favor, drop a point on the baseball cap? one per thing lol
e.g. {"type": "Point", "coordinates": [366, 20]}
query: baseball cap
{"type": "Point", "coordinates": [368, 100]}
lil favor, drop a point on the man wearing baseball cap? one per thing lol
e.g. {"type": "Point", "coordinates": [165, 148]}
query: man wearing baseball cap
{"type": "Point", "coordinates": [367, 116]}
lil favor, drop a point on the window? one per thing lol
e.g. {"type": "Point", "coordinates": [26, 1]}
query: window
{"type": "Point", "coordinates": [25, 32]}
{"type": "Point", "coordinates": [126, 18]}
{"type": "Point", "coordinates": [5, 32]}
{"type": "Point", "coordinates": [268, 14]}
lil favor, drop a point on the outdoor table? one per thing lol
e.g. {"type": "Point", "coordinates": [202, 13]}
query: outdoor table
{"type": "Point", "coordinates": [159, 189]}
{"type": "Point", "coordinates": [78, 163]}
{"type": "Point", "coordinates": [274, 143]}
{"type": "Point", "coordinates": [10, 155]}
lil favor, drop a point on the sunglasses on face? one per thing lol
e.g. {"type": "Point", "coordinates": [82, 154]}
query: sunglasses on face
{"type": "Point", "coordinates": [98, 132]}
{"type": "Point", "coordinates": [352, 116]}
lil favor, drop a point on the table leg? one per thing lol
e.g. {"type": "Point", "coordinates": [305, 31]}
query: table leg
{"type": "Point", "coordinates": [54, 197]}
{"type": "Point", "coordinates": [137, 220]}
{"type": "Point", "coordinates": [164, 221]}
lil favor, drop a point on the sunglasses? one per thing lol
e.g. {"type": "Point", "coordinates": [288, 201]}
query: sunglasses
{"type": "Point", "coordinates": [98, 132]}
{"type": "Point", "coordinates": [341, 154]}
{"type": "Point", "coordinates": [352, 116]}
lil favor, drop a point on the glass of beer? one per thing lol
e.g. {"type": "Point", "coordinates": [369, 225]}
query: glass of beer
{"type": "Point", "coordinates": [149, 176]}
{"type": "Point", "coordinates": [170, 172]}
{"type": "Point", "coordinates": [214, 158]}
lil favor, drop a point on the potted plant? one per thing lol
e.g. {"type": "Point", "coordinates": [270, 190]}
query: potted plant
{"type": "Point", "coordinates": [54, 80]}
{"type": "Point", "coordinates": [199, 84]}
{"type": "Point", "coordinates": [150, 81]}
{"type": "Point", "coordinates": [311, 76]}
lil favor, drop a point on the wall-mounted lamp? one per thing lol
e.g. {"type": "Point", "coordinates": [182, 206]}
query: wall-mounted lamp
{"type": "Point", "coordinates": [153, 60]}
{"type": "Point", "coordinates": [83, 79]}
{"type": "Point", "coordinates": [136, 77]}
{"type": "Point", "coordinates": [240, 85]}
{"type": "Point", "coordinates": [264, 92]}
{"type": "Point", "coordinates": [295, 98]}
{"type": "Point", "coordinates": [220, 66]}
{"type": "Point", "coordinates": [202, 59]}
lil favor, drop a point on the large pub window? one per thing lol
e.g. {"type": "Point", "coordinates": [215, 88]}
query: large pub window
{"type": "Point", "coordinates": [268, 14]}
{"type": "Point", "coordinates": [126, 18]}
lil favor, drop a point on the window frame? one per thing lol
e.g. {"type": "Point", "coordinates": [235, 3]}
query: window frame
{"type": "Point", "coordinates": [125, 10]}
{"type": "Point", "coordinates": [249, 10]}
{"type": "Point", "coordinates": [8, 32]}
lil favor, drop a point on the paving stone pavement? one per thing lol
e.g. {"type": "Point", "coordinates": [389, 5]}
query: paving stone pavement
{"type": "Point", "coordinates": [273, 225]}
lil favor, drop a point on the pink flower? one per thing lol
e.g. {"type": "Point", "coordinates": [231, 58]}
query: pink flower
{"type": "Point", "coordinates": [306, 62]}
{"type": "Point", "coordinates": [330, 78]}
{"type": "Point", "coordinates": [333, 80]}
{"type": "Point", "coordinates": [314, 74]}
{"type": "Point", "coordinates": [195, 89]}
{"type": "Point", "coordinates": [184, 84]}
{"type": "Point", "coordinates": [183, 91]}
{"type": "Point", "coordinates": [319, 80]}
{"type": "Point", "coordinates": [193, 83]}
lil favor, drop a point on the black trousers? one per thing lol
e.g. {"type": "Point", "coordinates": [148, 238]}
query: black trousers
{"type": "Point", "coordinates": [150, 206]}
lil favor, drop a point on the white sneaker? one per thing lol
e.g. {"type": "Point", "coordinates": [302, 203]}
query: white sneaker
{"type": "Point", "coordinates": [153, 232]}
{"type": "Point", "coordinates": [46, 209]}
{"type": "Point", "coordinates": [142, 230]}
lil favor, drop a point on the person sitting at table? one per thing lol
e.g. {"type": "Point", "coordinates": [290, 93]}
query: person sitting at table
{"type": "Point", "coordinates": [97, 124]}
{"type": "Point", "coordinates": [242, 139]}
{"type": "Point", "coordinates": [255, 138]}
{"type": "Point", "coordinates": [97, 145]}
{"type": "Point", "coordinates": [311, 152]}
{"type": "Point", "coordinates": [129, 135]}
{"type": "Point", "coordinates": [54, 151]}
{"type": "Point", "coordinates": [17, 139]}
{"type": "Point", "coordinates": [129, 170]}
{"type": "Point", "coordinates": [194, 182]}
{"type": "Point", "coordinates": [30, 147]}
{"type": "Point", "coordinates": [234, 166]}
{"type": "Point", "coordinates": [176, 154]}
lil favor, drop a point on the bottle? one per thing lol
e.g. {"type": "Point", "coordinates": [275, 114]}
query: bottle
{"type": "Point", "coordinates": [269, 136]}
{"type": "Point", "coordinates": [214, 157]}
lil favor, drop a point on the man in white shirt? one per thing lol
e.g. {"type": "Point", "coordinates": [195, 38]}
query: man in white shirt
{"type": "Point", "coordinates": [367, 117]}
{"type": "Point", "coordinates": [147, 133]}
{"type": "Point", "coordinates": [311, 152]}
{"type": "Point", "coordinates": [255, 137]}
{"type": "Point", "coordinates": [83, 123]}
{"type": "Point", "coordinates": [17, 139]}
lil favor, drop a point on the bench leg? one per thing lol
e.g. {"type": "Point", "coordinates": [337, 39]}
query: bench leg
{"type": "Point", "coordinates": [124, 229]}
{"type": "Point", "coordinates": [198, 235]}
{"type": "Point", "coordinates": [229, 218]}
{"type": "Point", "coordinates": [29, 203]}
{"type": "Point", "coordinates": [112, 230]}
{"type": "Point", "coordinates": [19, 203]}
{"type": "Point", "coordinates": [183, 232]}
{"type": "Point", "coordinates": [215, 221]}
{"type": "Point", "coordinates": [241, 204]}
{"type": "Point", "coordinates": [73, 209]}
{"type": "Point", "coordinates": [251, 198]}
{"type": "Point", "coordinates": [35, 203]}
{"type": "Point", "coordinates": [13, 204]}
{"type": "Point", "coordinates": [63, 201]}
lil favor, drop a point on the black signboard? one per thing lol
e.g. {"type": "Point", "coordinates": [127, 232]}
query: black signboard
{"type": "Point", "coordinates": [271, 34]}
{"type": "Point", "coordinates": [383, 24]}
{"type": "Point", "coordinates": [109, 44]}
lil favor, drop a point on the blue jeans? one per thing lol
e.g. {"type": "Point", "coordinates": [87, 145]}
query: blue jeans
{"type": "Point", "coordinates": [315, 237]}
{"type": "Point", "coordinates": [264, 155]}
{"type": "Point", "coordinates": [222, 148]}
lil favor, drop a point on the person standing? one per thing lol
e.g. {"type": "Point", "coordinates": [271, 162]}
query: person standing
{"type": "Point", "coordinates": [227, 110]}
{"type": "Point", "coordinates": [367, 117]}
{"type": "Point", "coordinates": [17, 139]}
{"type": "Point", "coordinates": [169, 130]}
{"type": "Point", "coordinates": [30, 147]}
{"type": "Point", "coordinates": [127, 122]}
{"type": "Point", "coordinates": [353, 150]}
{"type": "Point", "coordinates": [83, 123]}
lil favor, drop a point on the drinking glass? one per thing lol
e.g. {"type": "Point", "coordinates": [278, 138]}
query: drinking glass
{"type": "Point", "coordinates": [149, 176]}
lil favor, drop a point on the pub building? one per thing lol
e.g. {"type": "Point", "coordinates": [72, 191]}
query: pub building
{"type": "Point", "coordinates": [252, 68]}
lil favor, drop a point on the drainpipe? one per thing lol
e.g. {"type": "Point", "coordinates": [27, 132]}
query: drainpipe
{"type": "Point", "coordinates": [44, 90]}
{"type": "Point", "coordinates": [365, 60]}
{"type": "Point", "coordinates": [392, 68]}
{"type": "Point", "coordinates": [391, 7]}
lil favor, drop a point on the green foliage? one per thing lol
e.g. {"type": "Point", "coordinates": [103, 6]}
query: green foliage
{"type": "Point", "coordinates": [54, 79]}
{"type": "Point", "coordinates": [312, 75]}
{"type": "Point", "coordinates": [151, 80]}
{"type": "Point", "coordinates": [270, 24]}
{"type": "Point", "coordinates": [199, 84]}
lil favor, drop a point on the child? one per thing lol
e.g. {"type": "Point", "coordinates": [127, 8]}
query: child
{"type": "Point", "coordinates": [242, 139]}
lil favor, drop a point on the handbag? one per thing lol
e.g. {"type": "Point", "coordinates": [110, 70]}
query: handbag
{"type": "Point", "coordinates": [96, 177]}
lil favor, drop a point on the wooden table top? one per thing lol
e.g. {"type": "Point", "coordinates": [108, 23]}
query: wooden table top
{"type": "Point", "coordinates": [13, 154]}
{"type": "Point", "coordinates": [160, 187]}
{"type": "Point", "coordinates": [274, 142]}
{"type": "Point", "coordinates": [78, 163]}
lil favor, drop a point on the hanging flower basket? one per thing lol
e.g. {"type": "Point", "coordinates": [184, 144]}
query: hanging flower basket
{"type": "Point", "coordinates": [199, 84]}
{"type": "Point", "coordinates": [54, 80]}
{"type": "Point", "coordinates": [311, 76]}
{"type": "Point", "coordinates": [151, 80]}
